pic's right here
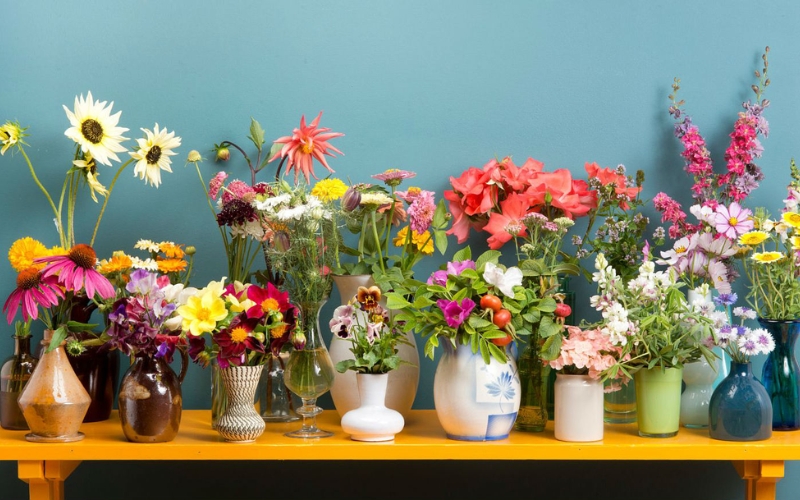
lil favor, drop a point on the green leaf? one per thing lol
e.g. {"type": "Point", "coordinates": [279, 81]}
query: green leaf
{"type": "Point", "coordinates": [551, 348]}
{"type": "Point", "coordinates": [478, 323]}
{"type": "Point", "coordinates": [463, 254]}
{"type": "Point", "coordinates": [275, 149]}
{"type": "Point", "coordinates": [256, 133]}
{"type": "Point", "coordinates": [497, 353]}
{"type": "Point", "coordinates": [488, 256]}
{"type": "Point", "coordinates": [59, 335]}
{"type": "Point", "coordinates": [440, 240]}
{"type": "Point", "coordinates": [395, 301]}
{"type": "Point", "coordinates": [422, 302]}
{"type": "Point", "coordinates": [547, 304]}
{"type": "Point", "coordinates": [548, 327]}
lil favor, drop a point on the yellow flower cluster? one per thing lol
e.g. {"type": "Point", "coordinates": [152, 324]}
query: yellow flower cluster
{"type": "Point", "coordinates": [422, 242]}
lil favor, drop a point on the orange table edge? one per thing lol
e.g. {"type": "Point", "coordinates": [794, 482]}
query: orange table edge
{"type": "Point", "coordinates": [45, 466]}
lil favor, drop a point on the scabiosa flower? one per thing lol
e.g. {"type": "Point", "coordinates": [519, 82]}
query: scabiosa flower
{"type": "Point", "coordinates": [95, 129]}
{"type": "Point", "coordinates": [236, 212]}
{"type": "Point", "coordinates": [153, 154]}
{"type": "Point", "coordinates": [33, 290]}
{"type": "Point", "coordinates": [394, 177]}
{"type": "Point", "coordinates": [238, 190]}
{"type": "Point", "coordinates": [456, 313]}
{"type": "Point", "coordinates": [215, 184]}
{"type": "Point", "coordinates": [76, 272]}
{"type": "Point", "coordinates": [307, 143]}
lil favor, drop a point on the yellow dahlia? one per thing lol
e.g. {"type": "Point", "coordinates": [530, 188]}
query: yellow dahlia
{"type": "Point", "coordinates": [23, 251]}
{"type": "Point", "coordinates": [328, 190]}
{"type": "Point", "coordinates": [201, 312]}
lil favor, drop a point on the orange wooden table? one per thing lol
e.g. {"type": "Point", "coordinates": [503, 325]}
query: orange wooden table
{"type": "Point", "coordinates": [45, 466]}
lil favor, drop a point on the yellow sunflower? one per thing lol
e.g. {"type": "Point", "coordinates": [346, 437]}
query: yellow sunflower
{"type": "Point", "coordinates": [767, 257]}
{"type": "Point", "coordinates": [753, 238]}
{"type": "Point", "coordinates": [24, 251]}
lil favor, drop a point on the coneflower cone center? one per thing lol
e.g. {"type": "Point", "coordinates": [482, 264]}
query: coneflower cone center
{"type": "Point", "coordinates": [92, 131]}
{"type": "Point", "coordinates": [153, 155]}
{"type": "Point", "coordinates": [28, 278]}
{"type": "Point", "coordinates": [83, 255]}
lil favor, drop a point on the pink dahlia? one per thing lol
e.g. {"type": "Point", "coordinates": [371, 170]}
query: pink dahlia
{"type": "Point", "coordinates": [304, 145]}
{"type": "Point", "coordinates": [76, 272]}
{"type": "Point", "coordinates": [33, 290]}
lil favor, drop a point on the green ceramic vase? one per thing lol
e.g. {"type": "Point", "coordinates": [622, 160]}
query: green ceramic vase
{"type": "Point", "coordinates": [658, 399]}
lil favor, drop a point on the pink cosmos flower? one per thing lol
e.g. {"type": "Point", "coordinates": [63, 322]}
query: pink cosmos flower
{"type": "Point", "coordinates": [215, 184]}
{"type": "Point", "coordinates": [33, 290]}
{"type": "Point", "coordinates": [76, 272]}
{"type": "Point", "coordinates": [733, 220]}
{"type": "Point", "coordinates": [304, 145]}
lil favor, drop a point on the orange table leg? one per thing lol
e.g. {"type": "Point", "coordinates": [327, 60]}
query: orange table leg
{"type": "Point", "coordinates": [45, 478]}
{"type": "Point", "coordinates": [761, 477]}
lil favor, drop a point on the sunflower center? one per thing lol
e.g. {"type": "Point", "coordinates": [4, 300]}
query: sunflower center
{"type": "Point", "coordinates": [153, 155]}
{"type": "Point", "coordinates": [92, 131]}
{"type": "Point", "coordinates": [733, 221]}
{"type": "Point", "coordinates": [239, 335]}
{"type": "Point", "coordinates": [83, 255]}
{"type": "Point", "coordinates": [269, 305]}
{"type": "Point", "coordinates": [28, 278]}
{"type": "Point", "coordinates": [307, 146]}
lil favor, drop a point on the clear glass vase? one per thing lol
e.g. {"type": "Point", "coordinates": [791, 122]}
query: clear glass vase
{"type": "Point", "coordinates": [219, 396]}
{"type": "Point", "coordinates": [309, 371]}
{"type": "Point", "coordinates": [14, 374]}
{"type": "Point", "coordinates": [274, 400]}
{"type": "Point", "coordinates": [779, 374]}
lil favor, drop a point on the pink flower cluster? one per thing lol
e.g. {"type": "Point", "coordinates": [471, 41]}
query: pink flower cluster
{"type": "Point", "coordinates": [586, 352]}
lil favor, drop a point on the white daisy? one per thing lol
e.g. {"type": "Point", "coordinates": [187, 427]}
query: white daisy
{"type": "Point", "coordinates": [95, 129]}
{"type": "Point", "coordinates": [147, 264]}
{"type": "Point", "coordinates": [153, 154]}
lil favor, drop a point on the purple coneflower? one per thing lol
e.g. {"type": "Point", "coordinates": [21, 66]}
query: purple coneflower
{"type": "Point", "coordinates": [76, 272]}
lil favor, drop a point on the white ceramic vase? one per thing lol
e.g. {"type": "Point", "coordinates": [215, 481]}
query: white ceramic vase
{"type": "Point", "coordinates": [578, 408]}
{"type": "Point", "coordinates": [372, 420]}
{"type": "Point", "coordinates": [402, 385]}
{"type": "Point", "coordinates": [241, 422]}
{"type": "Point", "coordinates": [699, 378]}
{"type": "Point", "coordinates": [475, 401]}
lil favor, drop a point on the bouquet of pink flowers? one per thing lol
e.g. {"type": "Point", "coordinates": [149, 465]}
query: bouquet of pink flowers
{"type": "Point", "coordinates": [703, 251]}
{"type": "Point", "coordinates": [586, 352]}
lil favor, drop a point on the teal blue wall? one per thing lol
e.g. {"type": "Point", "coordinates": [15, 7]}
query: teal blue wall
{"type": "Point", "coordinates": [428, 86]}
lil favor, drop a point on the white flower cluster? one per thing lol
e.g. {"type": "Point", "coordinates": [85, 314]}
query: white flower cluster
{"type": "Point", "coordinates": [616, 324]}
{"type": "Point", "coordinates": [649, 285]}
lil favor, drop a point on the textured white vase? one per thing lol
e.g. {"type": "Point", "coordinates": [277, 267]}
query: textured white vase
{"type": "Point", "coordinates": [402, 385]}
{"type": "Point", "coordinates": [579, 408]}
{"type": "Point", "coordinates": [475, 401]}
{"type": "Point", "coordinates": [699, 378]}
{"type": "Point", "coordinates": [241, 422]}
{"type": "Point", "coordinates": [372, 420]}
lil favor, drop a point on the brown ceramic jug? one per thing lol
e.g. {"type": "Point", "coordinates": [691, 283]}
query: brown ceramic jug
{"type": "Point", "coordinates": [150, 400]}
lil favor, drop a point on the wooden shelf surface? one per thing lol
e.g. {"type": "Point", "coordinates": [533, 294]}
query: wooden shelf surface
{"type": "Point", "coordinates": [422, 439]}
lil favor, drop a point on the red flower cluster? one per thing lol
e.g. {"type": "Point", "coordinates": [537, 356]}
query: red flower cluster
{"type": "Point", "coordinates": [496, 197]}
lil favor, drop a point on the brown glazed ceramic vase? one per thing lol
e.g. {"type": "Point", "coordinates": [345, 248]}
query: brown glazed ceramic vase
{"type": "Point", "coordinates": [150, 400]}
{"type": "Point", "coordinates": [54, 401]}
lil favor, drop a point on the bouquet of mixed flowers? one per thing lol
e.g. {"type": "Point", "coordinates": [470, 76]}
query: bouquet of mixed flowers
{"type": "Point", "coordinates": [739, 341]}
{"type": "Point", "coordinates": [245, 323]}
{"type": "Point", "coordinates": [470, 302]}
{"type": "Point", "coordinates": [371, 330]}
{"type": "Point", "coordinates": [770, 258]}
{"type": "Point", "coordinates": [703, 252]}
{"type": "Point", "coordinates": [55, 282]}
{"type": "Point", "coordinates": [166, 257]}
{"type": "Point", "coordinates": [620, 235]}
{"type": "Point", "coordinates": [241, 204]}
{"type": "Point", "coordinates": [649, 319]}
{"type": "Point", "coordinates": [371, 211]}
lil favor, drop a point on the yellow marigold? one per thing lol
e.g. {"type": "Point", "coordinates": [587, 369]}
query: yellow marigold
{"type": "Point", "coordinates": [753, 238]}
{"type": "Point", "coordinates": [767, 257]}
{"type": "Point", "coordinates": [329, 190]}
{"type": "Point", "coordinates": [791, 218]}
{"type": "Point", "coordinates": [171, 265]}
{"type": "Point", "coordinates": [119, 262]}
{"type": "Point", "coordinates": [171, 250]}
{"type": "Point", "coordinates": [23, 251]}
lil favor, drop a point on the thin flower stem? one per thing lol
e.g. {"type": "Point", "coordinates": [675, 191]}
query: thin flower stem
{"type": "Point", "coordinates": [213, 212]}
{"type": "Point", "coordinates": [105, 202]}
{"type": "Point", "coordinates": [377, 241]}
{"type": "Point", "coordinates": [56, 212]}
